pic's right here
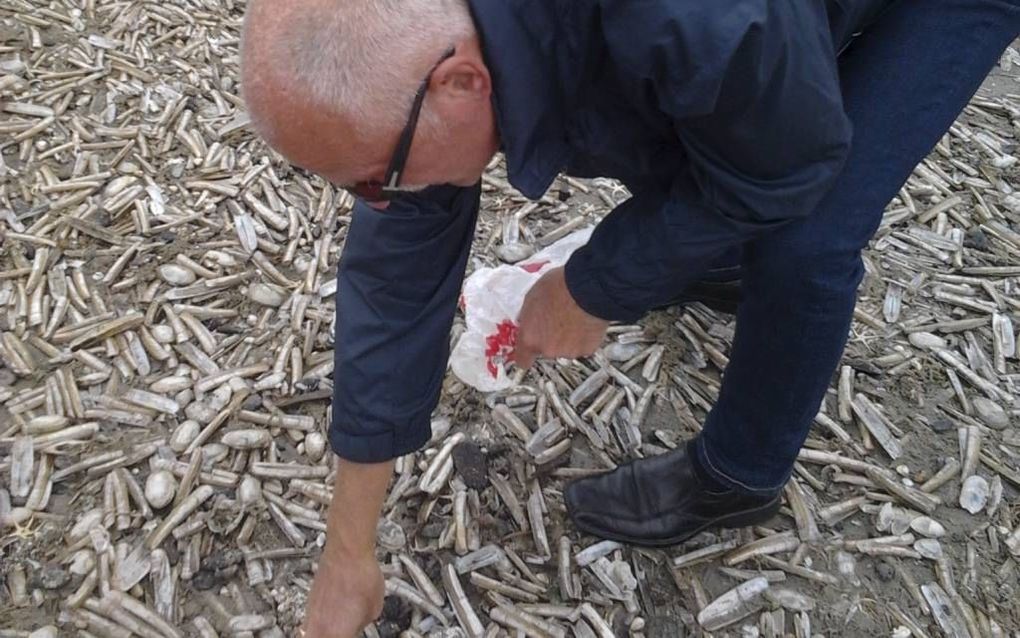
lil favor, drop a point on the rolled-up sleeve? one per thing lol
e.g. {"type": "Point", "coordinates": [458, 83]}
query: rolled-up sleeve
{"type": "Point", "coordinates": [753, 92]}
{"type": "Point", "coordinates": [399, 279]}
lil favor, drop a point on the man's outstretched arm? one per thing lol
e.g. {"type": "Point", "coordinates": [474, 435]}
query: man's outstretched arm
{"type": "Point", "coordinates": [399, 280]}
{"type": "Point", "coordinates": [348, 590]}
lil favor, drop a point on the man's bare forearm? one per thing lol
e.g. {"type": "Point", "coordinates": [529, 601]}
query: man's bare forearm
{"type": "Point", "coordinates": [358, 495]}
{"type": "Point", "coordinates": [348, 590]}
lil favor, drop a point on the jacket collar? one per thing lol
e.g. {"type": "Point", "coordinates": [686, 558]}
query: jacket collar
{"type": "Point", "coordinates": [518, 47]}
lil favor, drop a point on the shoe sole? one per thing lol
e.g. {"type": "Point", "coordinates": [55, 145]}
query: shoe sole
{"type": "Point", "coordinates": [742, 518]}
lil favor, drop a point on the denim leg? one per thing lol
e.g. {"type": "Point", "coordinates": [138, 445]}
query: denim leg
{"type": "Point", "coordinates": [904, 82]}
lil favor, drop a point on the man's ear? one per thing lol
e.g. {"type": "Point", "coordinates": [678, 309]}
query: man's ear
{"type": "Point", "coordinates": [462, 77]}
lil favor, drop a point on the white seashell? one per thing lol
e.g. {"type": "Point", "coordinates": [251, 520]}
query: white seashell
{"type": "Point", "coordinates": [47, 423]}
{"type": "Point", "coordinates": [249, 491]}
{"type": "Point", "coordinates": [790, 599]}
{"type": "Point", "coordinates": [89, 520]}
{"type": "Point", "coordinates": [167, 385]}
{"type": "Point", "coordinates": [391, 535]}
{"type": "Point", "coordinates": [246, 235]}
{"type": "Point", "coordinates": [220, 397]}
{"type": "Point", "coordinates": [315, 445]}
{"type": "Point", "coordinates": [177, 275]}
{"type": "Point", "coordinates": [162, 333]}
{"type": "Point", "coordinates": [184, 435]}
{"type": "Point", "coordinates": [515, 252]}
{"type": "Point", "coordinates": [440, 427]}
{"type": "Point", "coordinates": [16, 516]}
{"type": "Point", "coordinates": [991, 413]}
{"type": "Point", "coordinates": [265, 294]}
{"type": "Point", "coordinates": [926, 341]}
{"type": "Point", "coordinates": [893, 519]}
{"type": "Point", "coordinates": [974, 494]}
{"type": "Point", "coordinates": [82, 562]}
{"type": "Point", "coordinates": [49, 631]}
{"type": "Point", "coordinates": [622, 351]}
{"type": "Point", "coordinates": [929, 548]}
{"type": "Point", "coordinates": [246, 439]}
{"type": "Point", "coordinates": [160, 488]}
{"type": "Point", "coordinates": [742, 600]}
{"type": "Point", "coordinates": [927, 526]}
{"type": "Point", "coordinates": [200, 411]}
{"type": "Point", "coordinates": [213, 453]}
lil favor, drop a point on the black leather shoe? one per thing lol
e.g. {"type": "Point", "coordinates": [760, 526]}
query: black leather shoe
{"type": "Point", "coordinates": [658, 502]}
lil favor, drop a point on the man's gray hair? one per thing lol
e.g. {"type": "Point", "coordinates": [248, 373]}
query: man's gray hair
{"type": "Point", "coordinates": [357, 59]}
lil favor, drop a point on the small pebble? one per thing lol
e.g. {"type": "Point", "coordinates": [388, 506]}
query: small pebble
{"type": "Point", "coordinates": [471, 465]}
{"type": "Point", "coordinates": [942, 424]}
{"type": "Point", "coordinates": [885, 572]}
{"type": "Point", "coordinates": [976, 239]}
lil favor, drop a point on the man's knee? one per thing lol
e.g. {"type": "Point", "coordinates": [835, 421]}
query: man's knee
{"type": "Point", "coordinates": [799, 272]}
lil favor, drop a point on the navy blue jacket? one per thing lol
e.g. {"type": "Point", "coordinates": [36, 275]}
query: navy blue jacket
{"type": "Point", "coordinates": [723, 118]}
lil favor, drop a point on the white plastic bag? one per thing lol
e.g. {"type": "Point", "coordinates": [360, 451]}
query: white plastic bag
{"type": "Point", "coordinates": [491, 300]}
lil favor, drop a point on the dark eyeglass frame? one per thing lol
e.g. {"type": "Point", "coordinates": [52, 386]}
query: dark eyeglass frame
{"type": "Point", "coordinates": [376, 191]}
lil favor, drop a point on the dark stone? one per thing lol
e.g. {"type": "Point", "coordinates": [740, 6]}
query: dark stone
{"type": "Point", "coordinates": [976, 239]}
{"type": "Point", "coordinates": [885, 571]}
{"type": "Point", "coordinates": [206, 579]}
{"type": "Point", "coordinates": [48, 577]}
{"type": "Point", "coordinates": [222, 559]}
{"type": "Point", "coordinates": [397, 611]}
{"type": "Point", "coordinates": [432, 568]}
{"type": "Point", "coordinates": [664, 627]}
{"type": "Point", "coordinates": [7, 377]}
{"type": "Point", "coordinates": [433, 530]}
{"type": "Point", "coordinates": [471, 465]}
{"type": "Point", "coordinates": [388, 629]}
{"type": "Point", "coordinates": [942, 424]}
{"type": "Point", "coordinates": [252, 402]}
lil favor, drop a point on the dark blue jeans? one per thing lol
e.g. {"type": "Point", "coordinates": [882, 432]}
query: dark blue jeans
{"type": "Point", "coordinates": [904, 82]}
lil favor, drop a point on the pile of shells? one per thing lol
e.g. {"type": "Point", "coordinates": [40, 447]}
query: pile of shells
{"type": "Point", "coordinates": [166, 314]}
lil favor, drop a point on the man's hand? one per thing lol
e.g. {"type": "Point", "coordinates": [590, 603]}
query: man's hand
{"type": "Point", "coordinates": [551, 324]}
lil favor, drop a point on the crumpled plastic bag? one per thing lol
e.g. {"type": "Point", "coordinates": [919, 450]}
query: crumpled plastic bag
{"type": "Point", "coordinates": [491, 300]}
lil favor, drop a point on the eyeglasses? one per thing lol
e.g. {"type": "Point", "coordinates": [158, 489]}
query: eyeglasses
{"type": "Point", "coordinates": [376, 191]}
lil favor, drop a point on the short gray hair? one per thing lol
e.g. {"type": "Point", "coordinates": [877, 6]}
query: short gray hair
{"type": "Point", "coordinates": [354, 58]}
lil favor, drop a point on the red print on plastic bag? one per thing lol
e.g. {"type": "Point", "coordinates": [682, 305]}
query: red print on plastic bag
{"type": "Point", "coordinates": [533, 267]}
{"type": "Point", "coordinates": [499, 346]}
